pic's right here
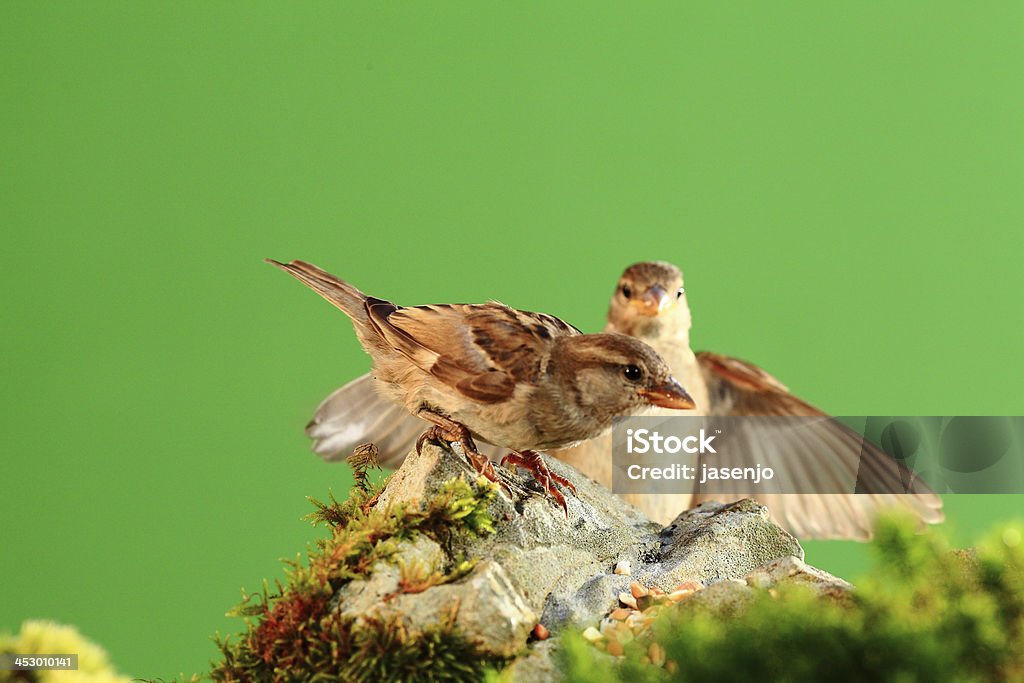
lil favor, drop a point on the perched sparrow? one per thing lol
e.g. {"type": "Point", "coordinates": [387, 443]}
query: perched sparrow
{"type": "Point", "coordinates": [650, 304]}
{"type": "Point", "coordinates": [518, 380]}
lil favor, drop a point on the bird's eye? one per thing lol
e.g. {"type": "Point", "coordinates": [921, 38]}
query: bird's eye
{"type": "Point", "coordinates": [680, 292]}
{"type": "Point", "coordinates": [626, 291]}
{"type": "Point", "coordinates": [632, 373]}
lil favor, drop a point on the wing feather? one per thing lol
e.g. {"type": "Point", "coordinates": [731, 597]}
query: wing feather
{"type": "Point", "coordinates": [828, 457]}
{"type": "Point", "coordinates": [483, 351]}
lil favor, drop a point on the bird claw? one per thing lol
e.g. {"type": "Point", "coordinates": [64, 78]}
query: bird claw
{"type": "Point", "coordinates": [434, 433]}
{"type": "Point", "coordinates": [535, 465]}
{"type": "Point", "coordinates": [477, 460]}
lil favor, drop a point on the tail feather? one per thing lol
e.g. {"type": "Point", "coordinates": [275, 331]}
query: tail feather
{"type": "Point", "coordinates": [355, 414]}
{"type": "Point", "coordinates": [340, 293]}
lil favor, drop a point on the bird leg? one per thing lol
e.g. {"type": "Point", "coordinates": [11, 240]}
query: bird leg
{"type": "Point", "coordinates": [447, 431]}
{"type": "Point", "coordinates": [535, 465]}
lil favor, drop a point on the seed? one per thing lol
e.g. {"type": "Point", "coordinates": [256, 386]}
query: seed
{"type": "Point", "coordinates": [620, 613]}
{"type": "Point", "coordinates": [541, 632]}
{"type": "Point", "coordinates": [627, 599]}
{"type": "Point", "coordinates": [671, 666]}
{"type": "Point", "coordinates": [644, 603]}
{"type": "Point", "coordinates": [615, 648]}
{"type": "Point", "coordinates": [624, 567]}
{"type": "Point", "coordinates": [657, 654]}
{"type": "Point", "coordinates": [637, 590]}
{"type": "Point", "coordinates": [592, 634]}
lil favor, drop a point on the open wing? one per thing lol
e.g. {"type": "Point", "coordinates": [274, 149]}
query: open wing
{"type": "Point", "coordinates": [827, 456]}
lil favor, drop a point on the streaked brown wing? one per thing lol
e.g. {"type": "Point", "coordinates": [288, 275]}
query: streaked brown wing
{"type": "Point", "coordinates": [483, 351]}
{"type": "Point", "coordinates": [829, 457]}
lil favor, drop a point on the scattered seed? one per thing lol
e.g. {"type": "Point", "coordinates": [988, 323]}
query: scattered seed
{"type": "Point", "coordinates": [627, 599]}
{"type": "Point", "coordinates": [671, 666]}
{"type": "Point", "coordinates": [592, 634]}
{"type": "Point", "coordinates": [676, 596]}
{"type": "Point", "coordinates": [615, 648]}
{"type": "Point", "coordinates": [620, 613]}
{"type": "Point", "coordinates": [637, 590]}
{"type": "Point", "coordinates": [624, 567]}
{"type": "Point", "coordinates": [541, 632]}
{"type": "Point", "coordinates": [657, 654]}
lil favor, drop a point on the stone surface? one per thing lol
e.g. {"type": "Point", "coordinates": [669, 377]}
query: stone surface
{"type": "Point", "coordinates": [361, 597]}
{"type": "Point", "coordinates": [543, 566]}
{"type": "Point", "coordinates": [491, 612]}
{"type": "Point", "coordinates": [793, 571]}
{"type": "Point", "coordinates": [713, 542]}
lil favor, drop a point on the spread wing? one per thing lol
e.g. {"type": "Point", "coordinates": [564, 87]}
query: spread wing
{"type": "Point", "coordinates": [827, 456]}
{"type": "Point", "coordinates": [482, 351]}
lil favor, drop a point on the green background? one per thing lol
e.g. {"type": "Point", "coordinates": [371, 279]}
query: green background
{"type": "Point", "coordinates": [841, 182]}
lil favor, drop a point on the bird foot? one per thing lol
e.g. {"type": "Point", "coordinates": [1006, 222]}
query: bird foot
{"type": "Point", "coordinates": [461, 435]}
{"type": "Point", "coordinates": [535, 465]}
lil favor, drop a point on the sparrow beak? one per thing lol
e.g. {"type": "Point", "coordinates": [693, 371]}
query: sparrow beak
{"type": "Point", "coordinates": [668, 394]}
{"type": "Point", "coordinates": [653, 301]}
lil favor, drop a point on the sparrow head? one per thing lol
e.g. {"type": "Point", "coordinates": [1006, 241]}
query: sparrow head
{"type": "Point", "coordinates": [649, 298]}
{"type": "Point", "coordinates": [619, 374]}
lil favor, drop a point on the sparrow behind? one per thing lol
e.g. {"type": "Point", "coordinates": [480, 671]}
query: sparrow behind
{"type": "Point", "coordinates": [518, 380]}
{"type": "Point", "coordinates": [650, 304]}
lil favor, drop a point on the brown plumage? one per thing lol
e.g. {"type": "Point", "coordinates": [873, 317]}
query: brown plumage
{"type": "Point", "coordinates": [650, 304]}
{"type": "Point", "coordinates": [518, 380]}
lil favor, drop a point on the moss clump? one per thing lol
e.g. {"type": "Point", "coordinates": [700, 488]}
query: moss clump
{"type": "Point", "coordinates": [40, 637]}
{"type": "Point", "coordinates": [295, 633]}
{"type": "Point", "coordinates": [924, 613]}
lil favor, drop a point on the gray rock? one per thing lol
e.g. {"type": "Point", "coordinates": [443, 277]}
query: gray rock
{"type": "Point", "coordinates": [713, 542]}
{"type": "Point", "coordinates": [537, 666]}
{"type": "Point", "coordinates": [725, 598]}
{"type": "Point", "coordinates": [793, 571]}
{"type": "Point", "coordinates": [362, 596]}
{"type": "Point", "coordinates": [544, 552]}
{"type": "Point", "coordinates": [541, 562]}
{"type": "Point", "coordinates": [587, 604]}
{"type": "Point", "coordinates": [490, 611]}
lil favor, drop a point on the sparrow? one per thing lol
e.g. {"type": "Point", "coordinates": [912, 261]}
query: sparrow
{"type": "Point", "coordinates": [650, 304]}
{"type": "Point", "coordinates": [518, 380]}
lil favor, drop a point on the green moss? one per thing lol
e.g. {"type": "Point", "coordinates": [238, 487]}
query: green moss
{"type": "Point", "coordinates": [294, 633]}
{"type": "Point", "coordinates": [924, 613]}
{"type": "Point", "coordinates": [40, 637]}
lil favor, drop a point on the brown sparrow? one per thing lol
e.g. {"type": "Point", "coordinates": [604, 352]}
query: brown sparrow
{"type": "Point", "coordinates": [518, 380]}
{"type": "Point", "coordinates": [649, 303]}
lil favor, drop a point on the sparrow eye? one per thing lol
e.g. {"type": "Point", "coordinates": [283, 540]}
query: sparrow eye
{"type": "Point", "coordinates": [632, 373]}
{"type": "Point", "coordinates": [626, 291]}
{"type": "Point", "coordinates": [680, 292]}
